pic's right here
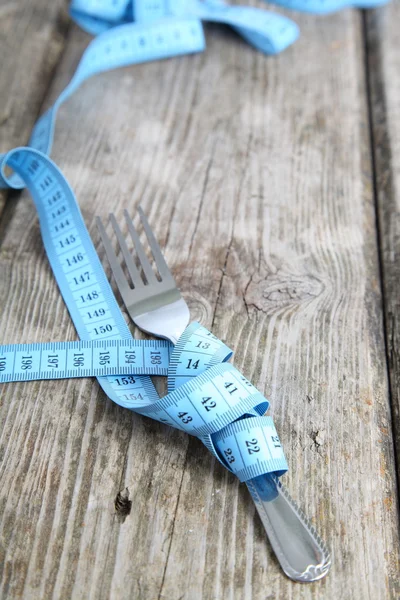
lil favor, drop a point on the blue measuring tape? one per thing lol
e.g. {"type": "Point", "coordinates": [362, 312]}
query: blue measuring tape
{"type": "Point", "coordinates": [66, 360]}
{"type": "Point", "coordinates": [97, 16]}
{"type": "Point", "coordinates": [267, 31]}
{"type": "Point", "coordinates": [195, 352]}
{"type": "Point", "coordinates": [207, 397]}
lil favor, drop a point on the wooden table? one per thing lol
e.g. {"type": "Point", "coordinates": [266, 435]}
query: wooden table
{"type": "Point", "coordinates": [273, 185]}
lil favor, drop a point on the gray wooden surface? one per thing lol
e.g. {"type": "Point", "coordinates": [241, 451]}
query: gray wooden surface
{"type": "Point", "coordinates": [273, 185]}
{"type": "Point", "coordinates": [384, 80]}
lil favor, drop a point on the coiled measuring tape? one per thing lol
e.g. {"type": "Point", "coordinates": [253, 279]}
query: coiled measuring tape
{"type": "Point", "coordinates": [207, 396]}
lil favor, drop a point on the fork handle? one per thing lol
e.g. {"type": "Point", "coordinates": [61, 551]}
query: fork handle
{"type": "Point", "coordinates": [301, 553]}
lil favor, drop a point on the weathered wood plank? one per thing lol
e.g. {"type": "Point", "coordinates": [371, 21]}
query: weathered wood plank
{"type": "Point", "coordinates": [384, 68]}
{"type": "Point", "coordinates": [256, 176]}
{"type": "Point", "coordinates": [301, 285]}
{"type": "Point", "coordinates": [32, 36]}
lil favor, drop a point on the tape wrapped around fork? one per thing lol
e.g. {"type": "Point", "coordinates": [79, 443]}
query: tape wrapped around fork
{"type": "Point", "coordinates": [210, 398]}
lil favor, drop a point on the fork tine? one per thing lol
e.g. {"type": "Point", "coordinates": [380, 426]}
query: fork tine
{"type": "Point", "coordinates": [130, 263]}
{"type": "Point", "coordinates": [155, 248]}
{"type": "Point", "coordinates": [112, 259]}
{"type": "Point", "coordinates": [144, 261]}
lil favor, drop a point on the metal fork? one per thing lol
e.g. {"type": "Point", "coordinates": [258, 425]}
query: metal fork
{"type": "Point", "coordinates": [156, 306]}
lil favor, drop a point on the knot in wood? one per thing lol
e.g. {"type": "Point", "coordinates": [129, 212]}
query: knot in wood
{"type": "Point", "coordinates": [279, 290]}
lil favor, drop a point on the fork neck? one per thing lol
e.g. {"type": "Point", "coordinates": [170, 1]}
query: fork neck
{"type": "Point", "coordinates": [168, 321]}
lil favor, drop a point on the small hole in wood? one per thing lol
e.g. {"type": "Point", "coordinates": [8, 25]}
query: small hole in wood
{"type": "Point", "coordinates": [122, 504]}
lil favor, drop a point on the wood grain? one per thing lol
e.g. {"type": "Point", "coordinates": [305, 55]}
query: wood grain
{"type": "Point", "coordinates": [32, 37]}
{"type": "Point", "coordinates": [384, 68]}
{"type": "Point", "coordinates": [256, 176]}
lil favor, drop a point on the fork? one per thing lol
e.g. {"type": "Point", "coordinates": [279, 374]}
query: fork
{"type": "Point", "coordinates": [157, 307]}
